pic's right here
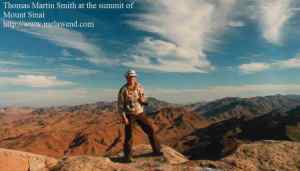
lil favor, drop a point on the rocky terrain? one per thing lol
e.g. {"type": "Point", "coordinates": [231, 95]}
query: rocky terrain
{"type": "Point", "coordinates": [226, 134]}
{"type": "Point", "coordinates": [261, 155]}
{"type": "Point", "coordinates": [10, 114]}
{"type": "Point", "coordinates": [222, 138]}
{"type": "Point", "coordinates": [93, 129]}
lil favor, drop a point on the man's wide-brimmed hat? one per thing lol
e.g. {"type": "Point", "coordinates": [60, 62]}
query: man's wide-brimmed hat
{"type": "Point", "coordinates": [131, 73]}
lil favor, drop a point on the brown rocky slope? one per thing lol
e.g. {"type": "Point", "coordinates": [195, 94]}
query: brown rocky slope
{"type": "Point", "coordinates": [90, 130]}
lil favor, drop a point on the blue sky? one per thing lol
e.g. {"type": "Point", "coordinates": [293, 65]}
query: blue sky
{"type": "Point", "coordinates": [183, 52]}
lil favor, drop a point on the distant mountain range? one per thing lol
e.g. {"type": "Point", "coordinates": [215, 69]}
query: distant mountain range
{"type": "Point", "coordinates": [236, 107]}
{"type": "Point", "coordinates": [102, 106]}
{"type": "Point", "coordinates": [218, 109]}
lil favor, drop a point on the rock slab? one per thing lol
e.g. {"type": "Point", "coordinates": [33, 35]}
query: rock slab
{"type": "Point", "coordinates": [11, 160]}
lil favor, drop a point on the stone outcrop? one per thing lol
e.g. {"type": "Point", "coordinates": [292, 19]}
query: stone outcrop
{"type": "Point", "coordinates": [261, 155]}
{"type": "Point", "coordinates": [89, 163]}
{"type": "Point", "coordinates": [266, 155]}
{"type": "Point", "coordinates": [11, 160]}
{"type": "Point", "coordinates": [172, 156]}
{"type": "Point", "coordinates": [256, 156]}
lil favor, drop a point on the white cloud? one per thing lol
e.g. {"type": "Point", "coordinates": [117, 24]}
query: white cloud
{"type": "Point", "coordinates": [170, 58]}
{"type": "Point", "coordinates": [253, 67]}
{"type": "Point", "coordinates": [56, 97]}
{"type": "Point", "coordinates": [78, 71]}
{"type": "Point", "coordinates": [65, 69]}
{"type": "Point", "coordinates": [11, 58]}
{"type": "Point", "coordinates": [190, 28]}
{"type": "Point", "coordinates": [69, 39]}
{"type": "Point", "coordinates": [272, 16]}
{"type": "Point", "coordinates": [66, 53]}
{"type": "Point", "coordinates": [12, 55]}
{"type": "Point", "coordinates": [6, 69]}
{"type": "Point", "coordinates": [236, 24]}
{"type": "Point", "coordinates": [36, 81]}
{"type": "Point", "coordinates": [5, 62]}
{"type": "Point", "coordinates": [292, 63]}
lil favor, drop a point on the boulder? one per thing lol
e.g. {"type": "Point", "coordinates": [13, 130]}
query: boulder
{"type": "Point", "coordinates": [266, 155]}
{"type": "Point", "coordinates": [172, 156]}
{"type": "Point", "coordinates": [12, 160]}
{"type": "Point", "coordinates": [89, 163]}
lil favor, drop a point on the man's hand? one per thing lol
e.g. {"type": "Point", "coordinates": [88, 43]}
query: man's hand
{"type": "Point", "coordinates": [145, 103]}
{"type": "Point", "coordinates": [125, 119]}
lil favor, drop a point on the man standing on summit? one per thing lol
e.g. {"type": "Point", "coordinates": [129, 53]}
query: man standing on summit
{"type": "Point", "coordinates": [131, 101]}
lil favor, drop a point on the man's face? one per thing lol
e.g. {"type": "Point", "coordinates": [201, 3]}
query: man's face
{"type": "Point", "coordinates": [131, 80]}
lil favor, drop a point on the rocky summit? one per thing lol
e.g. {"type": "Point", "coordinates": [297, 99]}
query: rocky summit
{"type": "Point", "coordinates": [262, 155]}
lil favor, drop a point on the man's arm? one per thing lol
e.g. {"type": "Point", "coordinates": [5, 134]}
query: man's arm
{"type": "Point", "coordinates": [121, 105]}
{"type": "Point", "coordinates": [142, 98]}
{"type": "Point", "coordinates": [120, 101]}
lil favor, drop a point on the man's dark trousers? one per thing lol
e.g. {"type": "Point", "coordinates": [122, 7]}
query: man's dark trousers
{"type": "Point", "coordinates": [145, 124]}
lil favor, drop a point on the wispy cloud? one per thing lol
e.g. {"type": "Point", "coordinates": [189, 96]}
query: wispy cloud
{"type": "Point", "coordinates": [77, 71]}
{"type": "Point", "coordinates": [11, 58]}
{"type": "Point", "coordinates": [17, 70]}
{"type": "Point", "coordinates": [187, 29]}
{"type": "Point", "coordinates": [5, 62]}
{"type": "Point", "coordinates": [254, 67]}
{"type": "Point", "coordinates": [56, 96]}
{"type": "Point", "coordinates": [66, 53]}
{"type": "Point", "coordinates": [36, 81]}
{"type": "Point", "coordinates": [165, 56]}
{"type": "Point", "coordinates": [18, 63]}
{"type": "Point", "coordinates": [273, 15]}
{"type": "Point", "coordinates": [236, 23]}
{"type": "Point", "coordinates": [66, 70]}
{"type": "Point", "coordinates": [290, 63]}
{"type": "Point", "coordinates": [67, 38]}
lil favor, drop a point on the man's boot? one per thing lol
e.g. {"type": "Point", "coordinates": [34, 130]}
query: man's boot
{"type": "Point", "coordinates": [156, 153]}
{"type": "Point", "coordinates": [128, 159]}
